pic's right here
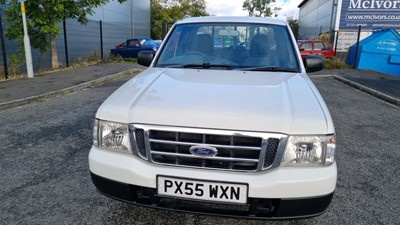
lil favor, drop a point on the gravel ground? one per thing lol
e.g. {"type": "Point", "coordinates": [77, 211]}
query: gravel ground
{"type": "Point", "coordinates": [45, 176]}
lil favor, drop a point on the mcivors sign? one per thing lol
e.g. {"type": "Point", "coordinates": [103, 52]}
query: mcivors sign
{"type": "Point", "coordinates": [370, 14]}
{"type": "Point", "coordinates": [372, 4]}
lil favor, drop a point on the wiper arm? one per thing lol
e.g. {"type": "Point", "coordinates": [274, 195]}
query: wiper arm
{"type": "Point", "coordinates": [270, 68]}
{"type": "Point", "coordinates": [201, 65]}
{"type": "Point", "coordinates": [207, 65]}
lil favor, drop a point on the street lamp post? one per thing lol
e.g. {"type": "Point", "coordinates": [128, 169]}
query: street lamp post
{"type": "Point", "coordinates": [27, 43]}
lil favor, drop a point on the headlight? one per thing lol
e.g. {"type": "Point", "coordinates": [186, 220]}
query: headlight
{"type": "Point", "coordinates": [113, 136]}
{"type": "Point", "coordinates": [155, 49]}
{"type": "Point", "coordinates": [309, 151]}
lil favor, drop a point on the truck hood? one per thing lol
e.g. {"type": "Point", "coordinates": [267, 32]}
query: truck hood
{"type": "Point", "coordinates": [220, 99]}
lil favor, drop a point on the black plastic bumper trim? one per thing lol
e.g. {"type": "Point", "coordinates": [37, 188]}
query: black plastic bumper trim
{"type": "Point", "coordinates": [257, 208]}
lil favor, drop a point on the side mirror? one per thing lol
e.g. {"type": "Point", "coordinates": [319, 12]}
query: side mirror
{"type": "Point", "coordinates": [145, 58]}
{"type": "Point", "coordinates": [301, 49]}
{"type": "Point", "coordinates": [313, 63]}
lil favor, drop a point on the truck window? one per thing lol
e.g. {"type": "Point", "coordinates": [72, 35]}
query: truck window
{"type": "Point", "coordinates": [238, 45]}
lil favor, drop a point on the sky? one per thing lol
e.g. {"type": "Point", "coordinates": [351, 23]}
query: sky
{"type": "Point", "coordinates": [234, 8]}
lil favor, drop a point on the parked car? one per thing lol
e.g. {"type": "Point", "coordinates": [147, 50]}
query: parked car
{"type": "Point", "coordinates": [131, 47]}
{"type": "Point", "coordinates": [315, 47]}
{"type": "Point", "coordinates": [224, 131]}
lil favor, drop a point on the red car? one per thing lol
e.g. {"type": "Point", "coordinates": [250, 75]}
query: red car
{"type": "Point", "coordinates": [315, 47]}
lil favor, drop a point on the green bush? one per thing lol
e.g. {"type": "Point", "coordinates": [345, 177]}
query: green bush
{"type": "Point", "coordinates": [13, 64]}
{"type": "Point", "coordinates": [335, 63]}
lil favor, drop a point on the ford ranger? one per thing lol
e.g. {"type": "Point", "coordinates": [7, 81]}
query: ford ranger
{"type": "Point", "coordinates": [224, 121]}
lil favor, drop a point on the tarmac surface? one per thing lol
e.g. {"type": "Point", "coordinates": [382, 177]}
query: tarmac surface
{"type": "Point", "coordinates": [386, 84]}
{"type": "Point", "coordinates": [27, 90]}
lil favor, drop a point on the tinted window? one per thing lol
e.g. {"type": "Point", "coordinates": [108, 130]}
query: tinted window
{"type": "Point", "coordinates": [133, 43]}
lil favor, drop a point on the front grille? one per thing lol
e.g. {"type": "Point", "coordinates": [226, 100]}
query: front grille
{"type": "Point", "coordinates": [272, 147]}
{"type": "Point", "coordinates": [140, 142]}
{"type": "Point", "coordinates": [236, 151]}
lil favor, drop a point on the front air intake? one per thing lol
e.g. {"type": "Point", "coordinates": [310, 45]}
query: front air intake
{"type": "Point", "coordinates": [235, 151]}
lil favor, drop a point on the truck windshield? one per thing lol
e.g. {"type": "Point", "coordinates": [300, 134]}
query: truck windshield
{"type": "Point", "coordinates": [244, 46]}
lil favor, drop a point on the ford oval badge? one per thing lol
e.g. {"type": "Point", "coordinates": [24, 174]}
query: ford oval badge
{"type": "Point", "coordinates": [203, 150]}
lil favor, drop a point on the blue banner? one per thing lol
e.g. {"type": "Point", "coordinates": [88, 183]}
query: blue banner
{"type": "Point", "coordinates": [370, 14]}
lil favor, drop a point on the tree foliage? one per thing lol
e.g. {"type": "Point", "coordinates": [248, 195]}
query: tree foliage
{"type": "Point", "coordinates": [44, 17]}
{"type": "Point", "coordinates": [294, 25]}
{"type": "Point", "coordinates": [169, 11]}
{"type": "Point", "coordinates": [260, 8]}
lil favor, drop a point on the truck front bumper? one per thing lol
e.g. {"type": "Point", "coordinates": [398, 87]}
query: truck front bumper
{"type": "Point", "coordinates": [279, 193]}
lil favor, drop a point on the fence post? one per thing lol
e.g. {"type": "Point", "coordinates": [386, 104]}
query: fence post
{"type": "Point", "coordinates": [65, 44]}
{"type": "Point", "coordinates": [3, 50]}
{"type": "Point", "coordinates": [358, 41]}
{"type": "Point", "coordinates": [164, 30]}
{"type": "Point", "coordinates": [336, 40]}
{"type": "Point", "coordinates": [101, 40]}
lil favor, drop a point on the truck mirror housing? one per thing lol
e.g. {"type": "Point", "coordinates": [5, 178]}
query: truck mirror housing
{"type": "Point", "coordinates": [313, 63]}
{"type": "Point", "coordinates": [145, 58]}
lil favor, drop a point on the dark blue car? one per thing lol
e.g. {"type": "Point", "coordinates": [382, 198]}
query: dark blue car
{"type": "Point", "coordinates": [133, 46]}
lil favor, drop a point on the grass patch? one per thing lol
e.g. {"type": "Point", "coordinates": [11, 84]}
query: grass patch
{"type": "Point", "coordinates": [118, 58]}
{"type": "Point", "coordinates": [42, 99]}
{"type": "Point", "coordinates": [66, 92]}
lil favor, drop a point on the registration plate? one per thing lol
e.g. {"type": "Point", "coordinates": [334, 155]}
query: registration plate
{"type": "Point", "coordinates": [202, 190]}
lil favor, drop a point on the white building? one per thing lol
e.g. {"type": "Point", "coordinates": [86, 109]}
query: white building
{"type": "Point", "coordinates": [342, 18]}
{"type": "Point", "coordinates": [133, 14]}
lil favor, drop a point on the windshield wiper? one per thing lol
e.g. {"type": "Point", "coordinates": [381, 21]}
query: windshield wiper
{"type": "Point", "coordinates": [201, 65]}
{"type": "Point", "coordinates": [270, 68]}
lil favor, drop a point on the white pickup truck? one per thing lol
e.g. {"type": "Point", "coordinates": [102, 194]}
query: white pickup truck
{"type": "Point", "coordinates": [224, 121]}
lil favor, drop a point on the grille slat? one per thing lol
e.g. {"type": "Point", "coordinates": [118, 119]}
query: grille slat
{"type": "Point", "coordinates": [237, 151]}
{"type": "Point", "coordinates": [214, 145]}
{"type": "Point", "coordinates": [209, 158]}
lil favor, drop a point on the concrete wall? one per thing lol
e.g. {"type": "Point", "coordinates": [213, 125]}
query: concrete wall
{"type": "Point", "coordinates": [132, 14]}
{"type": "Point", "coordinates": [141, 18]}
{"type": "Point", "coordinates": [315, 17]}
